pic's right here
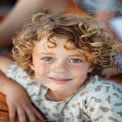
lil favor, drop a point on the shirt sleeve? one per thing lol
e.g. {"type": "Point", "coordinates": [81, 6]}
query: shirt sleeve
{"type": "Point", "coordinates": [20, 76]}
{"type": "Point", "coordinates": [104, 103]}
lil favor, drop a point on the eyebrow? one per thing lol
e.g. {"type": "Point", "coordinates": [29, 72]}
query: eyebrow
{"type": "Point", "coordinates": [77, 56]}
{"type": "Point", "coordinates": [72, 55]}
{"type": "Point", "coordinates": [48, 53]}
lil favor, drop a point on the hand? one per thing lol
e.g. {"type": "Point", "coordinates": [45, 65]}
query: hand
{"type": "Point", "coordinates": [19, 102]}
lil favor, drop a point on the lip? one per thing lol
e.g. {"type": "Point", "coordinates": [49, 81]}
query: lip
{"type": "Point", "coordinates": [59, 80]}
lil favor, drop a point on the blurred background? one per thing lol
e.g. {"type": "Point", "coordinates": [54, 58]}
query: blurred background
{"type": "Point", "coordinates": [5, 6]}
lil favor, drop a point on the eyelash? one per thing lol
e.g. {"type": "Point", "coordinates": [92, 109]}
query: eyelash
{"type": "Point", "coordinates": [73, 60]}
{"type": "Point", "coordinates": [47, 59]}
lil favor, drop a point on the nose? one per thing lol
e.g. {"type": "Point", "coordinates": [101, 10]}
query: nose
{"type": "Point", "coordinates": [59, 67]}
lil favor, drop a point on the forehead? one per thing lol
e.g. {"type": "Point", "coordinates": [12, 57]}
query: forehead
{"type": "Point", "coordinates": [45, 42]}
{"type": "Point", "coordinates": [57, 43]}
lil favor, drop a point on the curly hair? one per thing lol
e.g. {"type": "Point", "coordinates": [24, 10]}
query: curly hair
{"type": "Point", "coordinates": [83, 32]}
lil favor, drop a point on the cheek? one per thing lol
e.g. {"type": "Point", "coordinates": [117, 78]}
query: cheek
{"type": "Point", "coordinates": [80, 73]}
{"type": "Point", "coordinates": [41, 70]}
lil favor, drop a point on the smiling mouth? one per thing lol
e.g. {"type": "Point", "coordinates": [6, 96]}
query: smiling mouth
{"type": "Point", "coordinates": [59, 80]}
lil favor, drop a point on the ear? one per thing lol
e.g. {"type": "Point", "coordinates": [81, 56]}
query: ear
{"type": "Point", "coordinates": [31, 66]}
{"type": "Point", "coordinates": [91, 68]}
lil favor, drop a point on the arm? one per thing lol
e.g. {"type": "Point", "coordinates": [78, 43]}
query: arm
{"type": "Point", "coordinates": [21, 12]}
{"type": "Point", "coordinates": [17, 101]}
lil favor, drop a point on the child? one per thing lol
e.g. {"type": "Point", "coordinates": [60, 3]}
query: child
{"type": "Point", "coordinates": [65, 55]}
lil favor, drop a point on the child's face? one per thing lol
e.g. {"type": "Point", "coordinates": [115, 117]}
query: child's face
{"type": "Point", "coordinates": [57, 68]}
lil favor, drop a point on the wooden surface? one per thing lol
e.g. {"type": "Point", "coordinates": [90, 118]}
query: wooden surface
{"type": "Point", "coordinates": [3, 109]}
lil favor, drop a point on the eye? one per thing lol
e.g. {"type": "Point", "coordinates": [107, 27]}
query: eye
{"type": "Point", "coordinates": [75, 61]}
{"type": "Point", "coordinates": [47, 59]}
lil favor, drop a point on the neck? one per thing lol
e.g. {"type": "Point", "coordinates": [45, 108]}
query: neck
{"type": "Point", "coordinates": [59, 95]}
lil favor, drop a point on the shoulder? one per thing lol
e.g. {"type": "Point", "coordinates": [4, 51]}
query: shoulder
{"type": "Point", "coordinates": [99, 92]}
{"type": "Point", "coordinates": [103, 99]}
{"type": "Point", "coordinates": [104, 94]}
{"type": "Point", "coordinates": [100, 88]}
{"type": "Point", "coordinates": [99, 85]}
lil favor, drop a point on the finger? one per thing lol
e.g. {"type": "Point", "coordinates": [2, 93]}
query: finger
{"type": "Point", "coordinates": [38, 114]}
{"type": "Point", "coordinates": [12, 112]}
{"type": "Point", "coordinates": [21, 114]}
{"type": "Point", "coordinates": [30, 114]}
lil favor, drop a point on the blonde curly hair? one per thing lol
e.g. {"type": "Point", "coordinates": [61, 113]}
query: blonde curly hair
{"type": "Point", "coordinates": [82, 31]}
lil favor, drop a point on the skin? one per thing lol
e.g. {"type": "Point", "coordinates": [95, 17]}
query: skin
{"type": "Point", "coordinates": [20, 13]}
{"type": "Point", "coordinates": [67, 69]}
{"type": "Point", "coordinates": [18, 102]}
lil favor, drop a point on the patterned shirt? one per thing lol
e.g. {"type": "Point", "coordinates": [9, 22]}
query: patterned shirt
{"type": "Point", "coordinates": [97, 100]}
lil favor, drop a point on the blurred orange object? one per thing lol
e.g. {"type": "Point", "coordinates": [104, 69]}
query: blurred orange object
{"type": "Point", "coordinates": [2, 17]}
{"type": "Point", "coordinates": [72, 7]}
{"type": "Point", "coordinates": [117, 78]}
{"type": "Point", "coordinates": [3, 109]}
